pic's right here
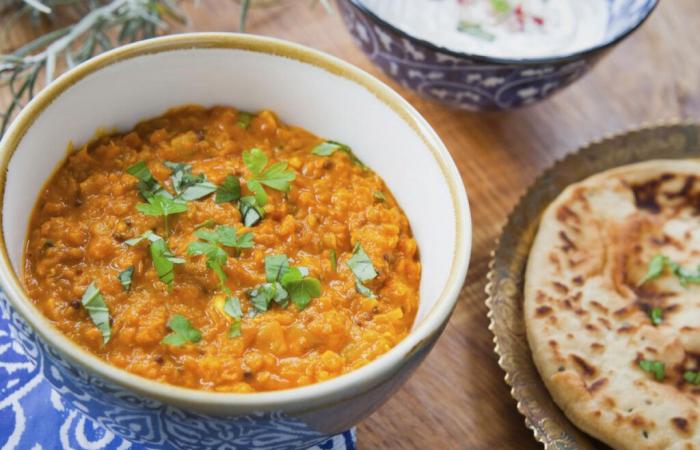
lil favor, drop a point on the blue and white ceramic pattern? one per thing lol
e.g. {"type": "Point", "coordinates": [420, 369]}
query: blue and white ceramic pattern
{"type": "Point", "coordinates": [37, 411]}
{"type": "Point", "coordinates": [477, 82]}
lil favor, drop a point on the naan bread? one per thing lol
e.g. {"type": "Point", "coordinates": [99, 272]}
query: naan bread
{"type": "Point", "coordinates": [587, 316]}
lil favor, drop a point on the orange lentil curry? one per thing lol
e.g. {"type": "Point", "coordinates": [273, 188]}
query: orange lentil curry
{"type": "Point", "coordinates": [225, 251]}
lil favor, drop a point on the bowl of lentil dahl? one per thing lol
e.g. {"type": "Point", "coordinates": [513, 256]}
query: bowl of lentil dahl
{"type": "Point", "coordinates": [256, 251]}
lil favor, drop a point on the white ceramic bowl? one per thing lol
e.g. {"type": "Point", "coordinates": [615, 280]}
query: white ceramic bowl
{"type": "Point", "coordinates": [307, 88]}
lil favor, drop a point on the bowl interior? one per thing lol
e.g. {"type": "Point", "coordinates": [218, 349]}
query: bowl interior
{"type": "Point", "coordinates": [623, 17]}
{"type": "Point", "coordinates": [135, 86]}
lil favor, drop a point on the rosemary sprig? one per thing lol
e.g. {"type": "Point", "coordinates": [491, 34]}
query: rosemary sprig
{"type": "Point", "coordinates": [93, 26]}
{"type": "Point", "coordinates": [128, 20]}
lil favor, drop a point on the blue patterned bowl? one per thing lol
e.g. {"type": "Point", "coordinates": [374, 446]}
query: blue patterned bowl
{"type": "Point", "coordinates": [305, 87]}
{"type": "Point", "coordinates": [480, 83]}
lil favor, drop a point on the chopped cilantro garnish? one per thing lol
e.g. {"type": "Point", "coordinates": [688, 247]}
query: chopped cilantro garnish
{"type": "Point", "coordinates": [334, 260]}
{"type": "Point", "coordinates": [361, 266]}
{"type": "Point", "coordinates": [162, 206]}
{"type": "Point", "coordinates": [164, 261]}
{"type": "Point", "coordinates": [209, 223]}
{"type": "Point", "coordinates": [655, 269]}
{"type": "Point", "coordinates": [501, 6]}
{"type": "Point", "coordinates": [96, 307]}
{"type": "Point", "coordinates": [363, 290]}
{"type": "Point", "coordinates": [163, 258]}
{"type": "Point", "coordinates": [692, 377]}
{"type": "Point", "coordinates": [659, 263]}
{"type": "Point", "coordinates": [379, 196]}
{"type": "Point", "coordinates": [232, 307]}
{"type": "Point", "coordinates": [235, 329]}
{"type": "Point", "coordinates": [229, 190]}
{"type": "Point", "coordinates": [263, 295]}
{"type": "Point", "coordinates": [216, 256]}
{"type": "Point", "coordinates": [685, 276]}
{"type": "Point", "coordinates": [244, 119]}
{"type": "Point", "coordinates": [125, 277]}
{"type": "Point", "coordinates": [284, 283]}
{"type": "Point", "coordinates": [187, 186]}
{"type": "Point", "coordinates": [657, 368]}
{"type": "Point", "coordinates": [182, 332]}
{"type": "Point", "coordinates": [476, 30]}
{"type": "Point", "coordinates": [327, 148]}
{"type": "Point", "coordinates": [148, 186]}
{"type": "Point", "coordinates": [656, 315]}
{"type": "Point", "coordinates": [251, 212]}
{"type": "Point", "coordinates": [150, 235]}
{"type": "Point", "coordinates": [275, 267]}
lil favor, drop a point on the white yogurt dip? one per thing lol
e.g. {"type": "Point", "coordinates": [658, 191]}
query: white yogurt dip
{"type": "Point", "coordinates": [514, 29]}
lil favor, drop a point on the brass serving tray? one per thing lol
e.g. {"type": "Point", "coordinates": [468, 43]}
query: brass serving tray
{"type": "Point", "coordinates": [507, 268]}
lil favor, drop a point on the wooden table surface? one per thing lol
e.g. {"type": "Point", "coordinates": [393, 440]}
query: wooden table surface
{"type": "Point", "coordinates": [457, 398]}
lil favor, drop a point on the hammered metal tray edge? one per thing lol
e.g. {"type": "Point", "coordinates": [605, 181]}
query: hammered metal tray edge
{"type": "Point", "coordinates": [673, 139]}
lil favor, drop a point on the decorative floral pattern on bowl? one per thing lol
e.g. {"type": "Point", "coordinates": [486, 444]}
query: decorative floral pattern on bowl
{"type": "Point", "coordinates": [480, 83]}
{"type": "Point", "coordinates": [69, 407]}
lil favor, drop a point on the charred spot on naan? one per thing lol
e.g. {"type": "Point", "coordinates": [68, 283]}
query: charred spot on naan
{"type": "Point", "coordinates": [667, 190]}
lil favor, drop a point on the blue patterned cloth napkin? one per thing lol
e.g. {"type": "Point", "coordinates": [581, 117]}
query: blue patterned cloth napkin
{"type": "Point", "coordinates": [34, 417]}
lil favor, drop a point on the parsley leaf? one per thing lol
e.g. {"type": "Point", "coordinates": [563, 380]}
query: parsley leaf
{"type": "Point", "coordinates": [656, 316]}
{"type": "Point", "coordinates": [692, 377]}
{"type": "Point", "coordinates": [125, 277]}
{"type": "Point", "coordinates": [251, 212]}
{"type": "Point", "coordinates": [162, 206]}
{"type": "Point", "coordinates": [301, 288]}
{"type": "Point", "coordinates": [229, 190]}
{"type": "Point", "coordinates": [258, 192]}
{"type": "Point", "coordinates": [244, 119]}
{"type": "Point", "coordinates": [96, 307]}
{"type": "Point", "coordinates": [229, 237]}
{"type": "Point", "coordinates": [657, 368]}
{"type": "Point", "coordinates": [183, 332]}
{"type": "Point", "coordinates": [187, 186]}
{"type": "Point", "coordinates": [148, 186]}
{"type": "Point", "coordinates": [164, 262]}
{"type": "Point", "coordinates": [276, 176]}
{"type": "Point", "coordinates": [379, 196]}
{"type": "Point", "coordinates": [655, 269]}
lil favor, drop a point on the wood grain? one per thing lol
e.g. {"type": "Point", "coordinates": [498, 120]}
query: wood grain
{"type": "Point", "coordinates": [457, 399]}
